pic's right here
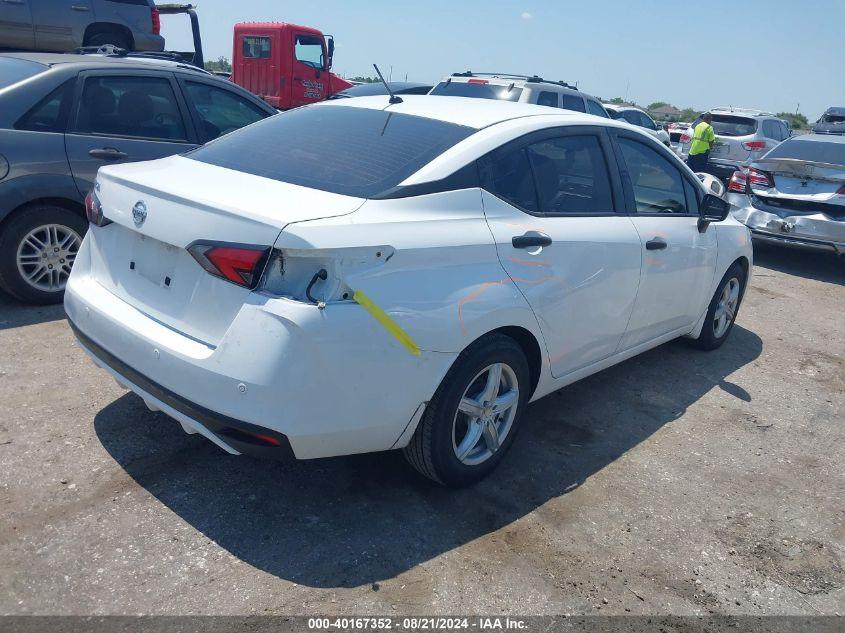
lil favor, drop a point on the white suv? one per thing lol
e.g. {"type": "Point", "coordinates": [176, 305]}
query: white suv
{"type": "Point", "coordinates": [742, 136]}
{"type": "Point", "coordinates": [519, 88]}
{"type": "Point", "coordinates": [637, 117]}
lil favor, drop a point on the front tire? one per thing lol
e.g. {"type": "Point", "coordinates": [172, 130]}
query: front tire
{"type": "Point", "coordinates": [722, 311]}
{"type": "Point", "coordinates": [471, 421]}
{"type": "Point", "coordinates": [37, 249]}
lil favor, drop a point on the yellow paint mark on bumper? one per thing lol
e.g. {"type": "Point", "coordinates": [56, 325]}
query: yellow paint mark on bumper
{"type": "Point", "coordinates": [386, 322]}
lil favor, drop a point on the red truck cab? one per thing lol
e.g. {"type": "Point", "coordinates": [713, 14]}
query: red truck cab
{"type": "Point", "coordinates": [285, 64]}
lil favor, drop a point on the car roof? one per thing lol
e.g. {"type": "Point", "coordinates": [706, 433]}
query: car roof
{"type": "Point", "coordinates": [835, 110]}
{"type": "Point", "coordinates": [475, 113]}
{"type": "Point", "coordinates": [375, 88]}
{"type": "Point", "coordinates": [103, 61]}
{"type": "Point", "coordinates": [522, 81]}
{"type": "Point", "coordinates": [749, 112]}
{"type": "Point", "coordinates": [622, 108]}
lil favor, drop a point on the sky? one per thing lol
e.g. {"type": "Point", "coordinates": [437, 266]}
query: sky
{"type": "Point", "coordinates": [774, 55]}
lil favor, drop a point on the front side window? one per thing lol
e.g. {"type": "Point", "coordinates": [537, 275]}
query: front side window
{"type": "Point", "coordinates": [220, 111]}
{"type": "Point", "coordinates": [142, 107]}
{"type": "Point", "coordinates": [50, 114]}
{"type": "Point", "coordinates": [308, 50]}
{"type": "Point", "coordinates": [256, 47]}
{"type": "Point", "coordinates": [571, 175]}
{"type": "Point", "coordinates": [596, 109]}
{"type": "Point", "coordinates": [658, 185]}
{"type": "Point", "coordinates": [346, 150]}
{"type": "Point", "coordinates": [547, 99]}
{"type": "Point", "coordinates": [477, 90]}
{"type": "Point", "coordinates": [572, 102]}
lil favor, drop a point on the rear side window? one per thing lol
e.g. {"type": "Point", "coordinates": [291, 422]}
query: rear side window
{"type": "Point", "coordinates": [594, 108]}
{"type": "Point", "coordinates": [220, 111]}
{"type": "Point", "coordinates": [771, 130]}
{"type": "Point", "coordinates": [142, 107]}
{"type": "Point", "coordinates": [256, 47]}
{"type": "Point", "coordinates": [51, 113]}
{"type": "Point", "coordinates": [346, 150]}
{"type": "Point", "coordinates": [512, 180]}
{"type": "Point", "coordinates": [571, 102]}
{"type": "Point", "coordinates": [571, 175]}
{"type": "Point", "coordinates": [658, 185]}
{"type": "Point", "coordinates": [547, 99]}
{"type": "Point", "coordinates": [14, 70]}
{"type": "Point", "coordinates": [477, 90]}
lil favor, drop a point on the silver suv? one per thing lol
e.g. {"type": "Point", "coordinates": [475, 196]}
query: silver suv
{"type": "Point", "coordinates": [520, 88]}
{"type": "Point", "coordinates": [742, 136]}
{"type": "Point", "coordinates": [65, 25]}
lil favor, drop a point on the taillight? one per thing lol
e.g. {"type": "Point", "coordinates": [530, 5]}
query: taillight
{"type": "Point", "coordinates": [754, 146]}
{"type": "Point", "coordinates": [685, 138]}
{"type": "Point", "coordinates": [762, 178]}
{"type": "Point", "coordinates": [154, 14]}
{"type": "Point", "coordinates": [94, 210]}
{"type": "Point", "coordinates": [841, 190]}
{"type": "Point", "coordinates": [738, 182]}
{"type": "Point", "coordinates": [241, 264]}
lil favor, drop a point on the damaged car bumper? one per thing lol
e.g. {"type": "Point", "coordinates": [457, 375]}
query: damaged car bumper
{"type": "Point", "coordinates": [784, 227]}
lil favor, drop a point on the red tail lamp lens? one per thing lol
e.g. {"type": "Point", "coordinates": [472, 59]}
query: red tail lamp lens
{"type": "Point", "coordinates": [241, 264]}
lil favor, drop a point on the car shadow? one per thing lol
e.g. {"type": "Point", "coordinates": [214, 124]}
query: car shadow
{"type": "Point", "coordinates": [346, 522]}
{"type": "Point", "coordinates": [825, 267]}
{"type": "Point", "coordinates": [13, 313]}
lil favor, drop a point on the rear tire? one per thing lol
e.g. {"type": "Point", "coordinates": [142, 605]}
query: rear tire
{"type": "Point", "coordinates": [115, 38]}
{"type": "Point", "coordinates": [722, 311]}
{"type": "Point", "coordinates": [467, 426]}
{"type": "Point", "coordinates": [37, 248]}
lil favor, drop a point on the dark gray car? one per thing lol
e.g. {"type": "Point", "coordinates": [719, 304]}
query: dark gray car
{"type": "Point", "coordinates": [62, 117]}
{"type": "Point", "coordinates": [831, 122]}
{"type": "Point", "coordinates": [64, 25]}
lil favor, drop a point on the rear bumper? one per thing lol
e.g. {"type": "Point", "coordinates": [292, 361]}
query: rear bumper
{"type": "Point", "coordinates": [810, 231]}
{"type": "Point", "coordinates": [321, 382]}
{"type": "Point", "coordinates": [148, 42]}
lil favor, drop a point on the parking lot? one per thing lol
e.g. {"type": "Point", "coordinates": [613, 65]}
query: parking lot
{"type": "Point", "coordinates": [677, 482]}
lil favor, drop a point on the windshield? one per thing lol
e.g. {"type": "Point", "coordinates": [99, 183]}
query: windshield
{"type": "Point", "coordinates": [814, 151]}
{"type": "Point", "coordinates": [481, 90]}
{"type": "Point", "coordinates": [13, 70]}
{"type": "Point", "coordinates": [351, 151]}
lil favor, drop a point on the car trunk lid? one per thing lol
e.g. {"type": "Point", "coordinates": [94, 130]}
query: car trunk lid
{"type": "Point", "coordinates": [145, 261]}
{"type": "Point", "coordinates": [803, 186]}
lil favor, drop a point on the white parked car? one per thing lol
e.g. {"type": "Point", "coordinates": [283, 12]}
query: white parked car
{"type": "Point", "coordinates": [637, 117]}
{"type": "Point", "coordinates": [351, 276]}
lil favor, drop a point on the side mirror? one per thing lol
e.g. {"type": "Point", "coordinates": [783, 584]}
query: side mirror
{"type": "Point", "coordinates": [330, 46]}
{"type": "Point", "coordinates": [712, 209]}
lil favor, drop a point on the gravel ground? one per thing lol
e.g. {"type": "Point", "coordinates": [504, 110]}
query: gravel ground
{"type": "Point", "coordinates": [679, 482]}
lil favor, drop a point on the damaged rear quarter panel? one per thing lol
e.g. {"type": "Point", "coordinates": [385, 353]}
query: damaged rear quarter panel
{"type": "Point", "coordinates": [439, 278]}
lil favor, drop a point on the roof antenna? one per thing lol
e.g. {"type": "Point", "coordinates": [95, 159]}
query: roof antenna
{"type": "Point", "coordinates": [393, 97]}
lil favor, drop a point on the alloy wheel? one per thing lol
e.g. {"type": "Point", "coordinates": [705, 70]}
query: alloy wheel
{"type": "Point", "coordinates": [726, 308]}
{"type": "Point", "coordinates": [45, 256]}
{"type": "Point", "coordinates": [485, 414]}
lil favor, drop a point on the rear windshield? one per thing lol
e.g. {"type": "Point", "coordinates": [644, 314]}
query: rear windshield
{"type": "Point", "coordinates": [817, 151]}
{"type": "Point", "coordinates": [351, 151]}
{"type": "Point", "coordinates": [833, 118]}
{"type": "Point", "coordinates": [13, 70]}
{"type": "Point", "coordinates": [477, 90]}
{"type": "Point", "coordinates": [730, 125]}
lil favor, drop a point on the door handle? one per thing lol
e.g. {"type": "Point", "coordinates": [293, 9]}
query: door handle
{"type": "Point", "coordinates": [531, 240]}
{"type": "Point", "coordinates": [79, 7]}
{"type": "Point", "coordinates": [656, 244]}
{"type": "Point", "coordinates": [107, 153]}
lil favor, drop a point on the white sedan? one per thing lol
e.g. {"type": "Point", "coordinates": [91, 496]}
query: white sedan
{"type": "Point", "coordinates": [357, 276]}
{"type": "Point", "coordinates": [637, 117]}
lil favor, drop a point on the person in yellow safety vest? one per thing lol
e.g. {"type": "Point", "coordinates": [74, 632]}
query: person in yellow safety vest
{"type": "Point", "coordinates": [703, 138]}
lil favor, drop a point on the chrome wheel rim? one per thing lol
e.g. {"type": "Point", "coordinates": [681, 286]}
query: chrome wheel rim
{"type": "Point", "coordinates": [45, 256]}
{"type": "Point", "coordinates": [485, 414]}
{"type": "Point", "coordinates": [726, 308]}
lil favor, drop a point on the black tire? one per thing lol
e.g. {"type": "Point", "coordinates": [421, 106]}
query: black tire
{"type": "Point", "coordinates": [431, 450]}
{"type": "Point", "coordinates": [115, 38]}
{"type": "Point", "coordinates": [12, 234]}
{"type": "Point", "coordinates": [708, 339]}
